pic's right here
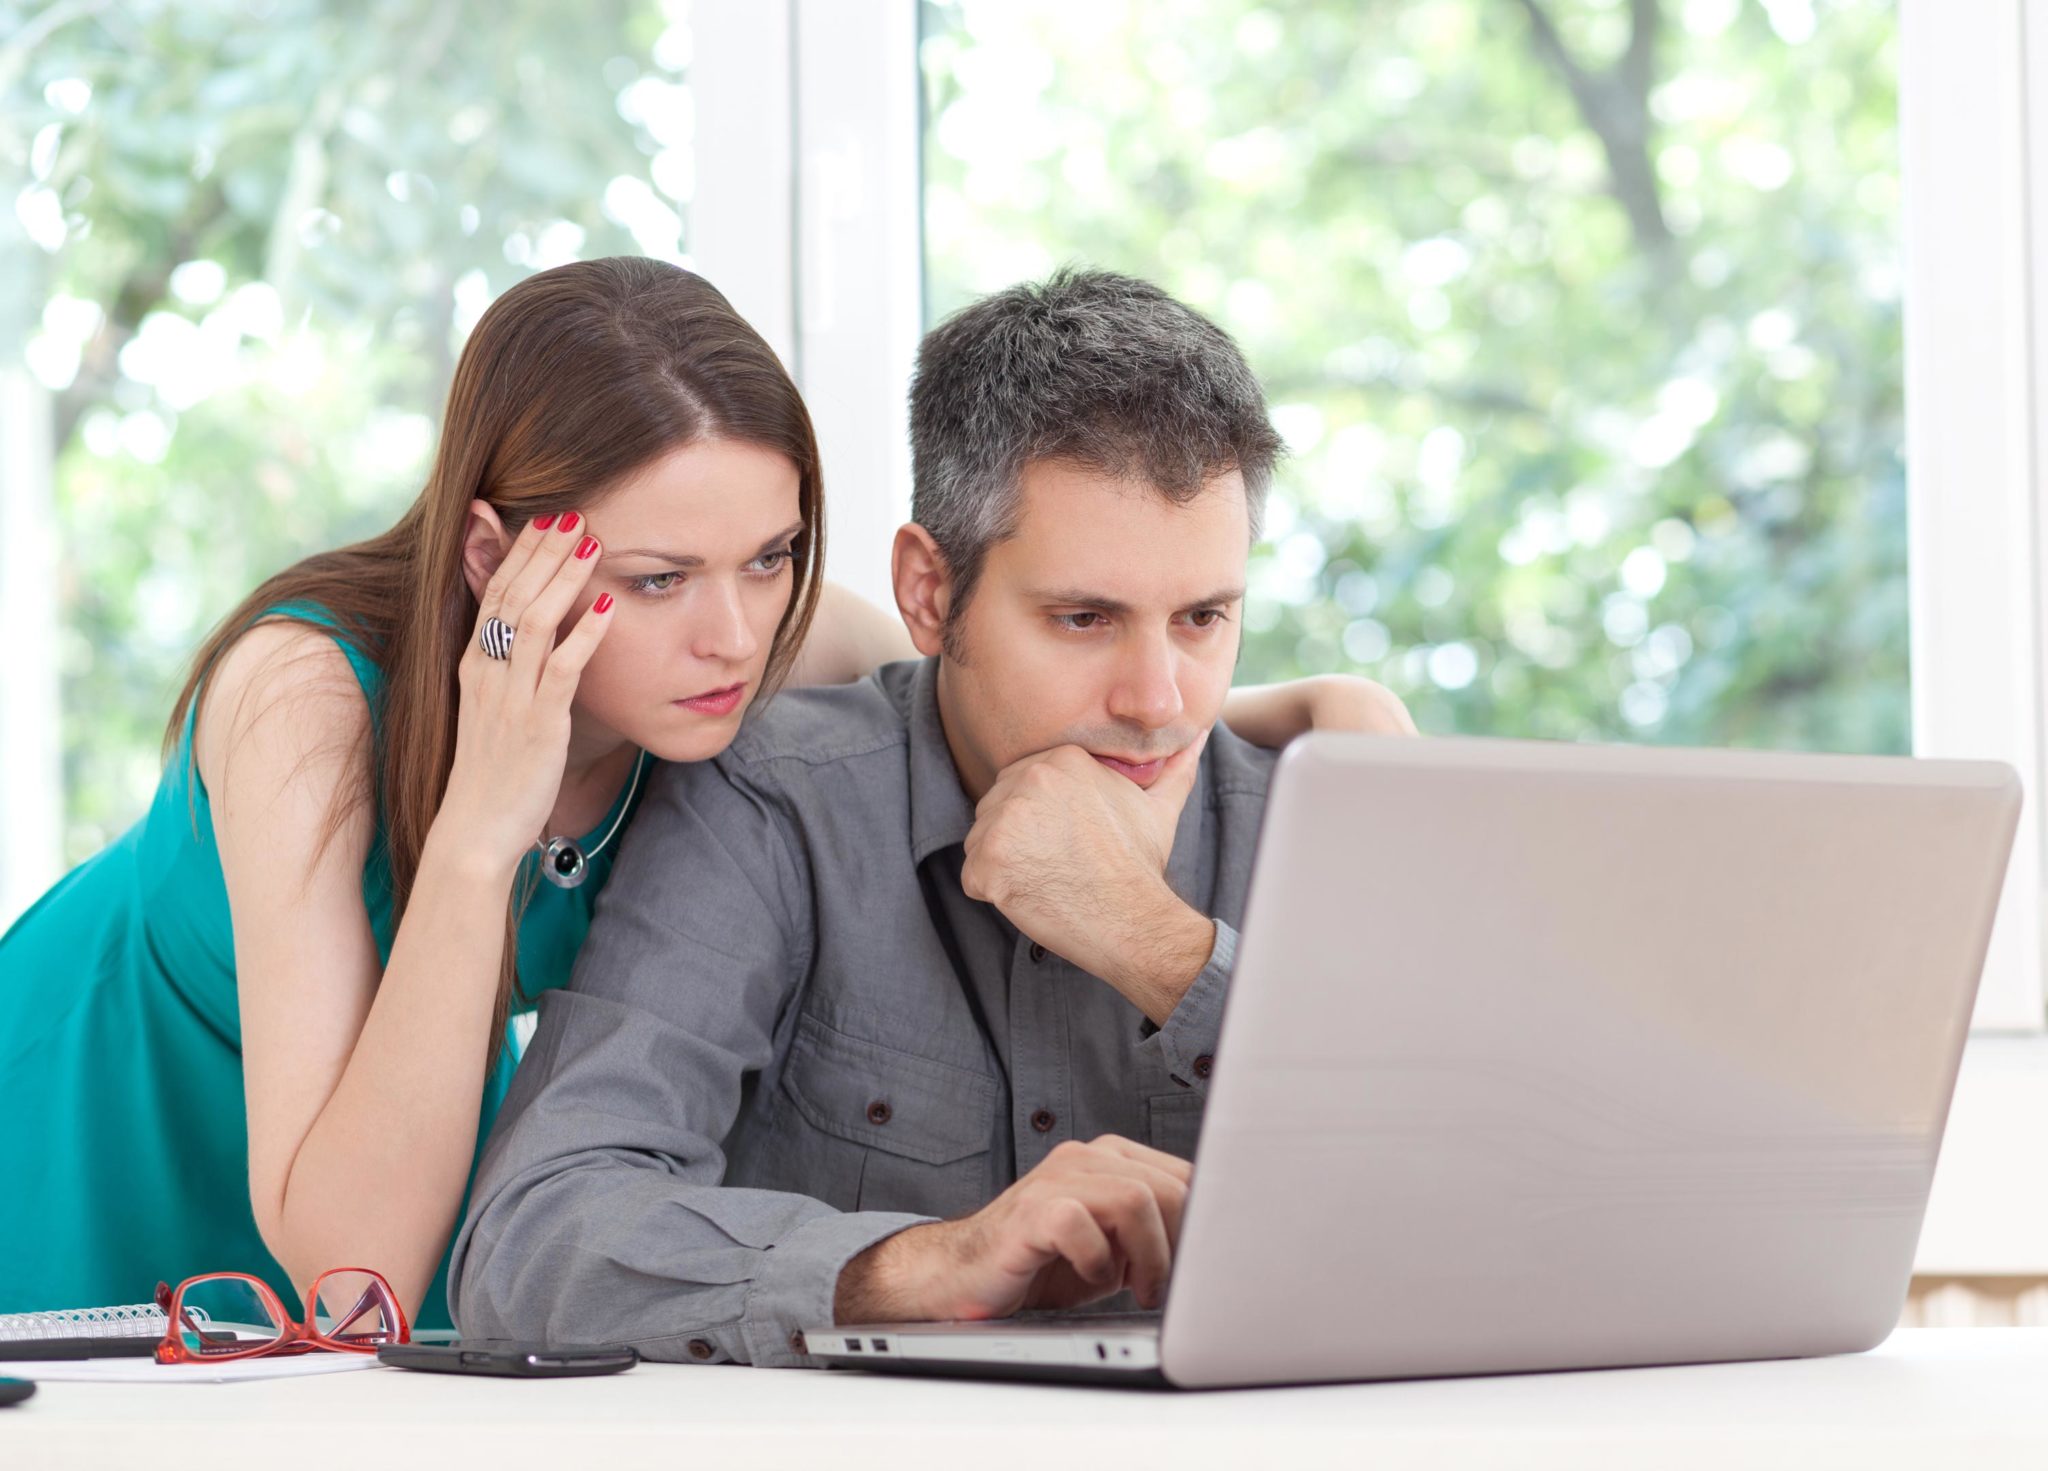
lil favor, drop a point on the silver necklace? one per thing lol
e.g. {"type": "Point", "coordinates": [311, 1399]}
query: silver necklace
{"type": "Point", "coordinates": [563, 862]}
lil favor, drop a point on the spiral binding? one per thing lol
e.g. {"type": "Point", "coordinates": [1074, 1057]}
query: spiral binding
{"type": "Point", "coordinates": [130, 1321]}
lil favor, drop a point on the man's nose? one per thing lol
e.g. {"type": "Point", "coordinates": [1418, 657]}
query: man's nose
{"type": "Point", "coordinates": [1147, 690]}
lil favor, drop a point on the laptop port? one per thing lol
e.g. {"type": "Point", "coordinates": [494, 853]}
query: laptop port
{"type": "Point", "coordinates": [853, 1345]}
{"type": "Point", "coordinates": [881, 1345]}
{"type": "Point", "coordinates": [1101, 1352]}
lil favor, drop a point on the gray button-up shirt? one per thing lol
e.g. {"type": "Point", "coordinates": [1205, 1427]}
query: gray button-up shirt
{"type": "Point", "coordinates": [790, 1035]}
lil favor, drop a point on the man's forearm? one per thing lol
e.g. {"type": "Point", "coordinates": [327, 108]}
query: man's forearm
{"type": "Point", "coordinates": [1167, 945]}
{"type": "Point", "coordinates": [600, 1251]}
{"type": "Point", "coordinates": [890, 1281]}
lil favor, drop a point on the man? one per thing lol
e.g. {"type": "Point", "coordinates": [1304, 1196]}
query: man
{"type": "Point", "coordinates": [906, 1006]}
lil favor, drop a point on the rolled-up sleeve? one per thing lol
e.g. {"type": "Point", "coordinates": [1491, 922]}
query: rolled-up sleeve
{"type": "Point", "coordinates": [598, 1213]}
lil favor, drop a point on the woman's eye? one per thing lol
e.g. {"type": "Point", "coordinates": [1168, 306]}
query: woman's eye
{"type": "Point", "coordinates": [656, 583]}
{"type": "Point", "coordinates": [772, 562]}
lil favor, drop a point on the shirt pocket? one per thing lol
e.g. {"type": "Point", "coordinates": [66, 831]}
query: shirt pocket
{"type": "Point", "coordinates": [925, 1129]}
{"type": "Point", "coordinates": [1174, 1121]}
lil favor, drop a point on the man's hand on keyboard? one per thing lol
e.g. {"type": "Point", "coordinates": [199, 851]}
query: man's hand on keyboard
{"type": "Point", "coordinates": [1091, 1220]}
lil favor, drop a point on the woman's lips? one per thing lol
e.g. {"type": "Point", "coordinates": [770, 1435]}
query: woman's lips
{"type": "Point", "coordinates": [716, 702]}
{"type": "Point", "coordinates": [1144, 773]}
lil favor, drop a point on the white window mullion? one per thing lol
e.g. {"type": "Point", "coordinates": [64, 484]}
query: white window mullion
{"type": "Point", "coordinates": [31, 753]}
{"type": "Point", "coordinates": [1973, 402]}
{"type": "Point", "coordinates": [859, 267]}
{"type": "Point", "coordinates": [807, 215]}
{"type": "Point", "coordinates": [742, 227]}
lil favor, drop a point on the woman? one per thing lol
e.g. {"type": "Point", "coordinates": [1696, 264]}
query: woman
{"type": "Point", "coordinates": [266, 1030]}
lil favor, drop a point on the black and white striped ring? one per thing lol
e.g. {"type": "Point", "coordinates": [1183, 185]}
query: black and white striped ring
{"type": "Point", "coordinates": [496, 638]}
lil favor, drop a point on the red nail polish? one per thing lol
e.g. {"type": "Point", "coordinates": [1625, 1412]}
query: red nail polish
{"type": "Point", "coordinates": [585, 547]}
{"type": "Point", "coordinates": [604, 601]}
{"type": "Point", "coordinates": [542, 523]}
{"type": "Point", "coordinates": [569, 520]}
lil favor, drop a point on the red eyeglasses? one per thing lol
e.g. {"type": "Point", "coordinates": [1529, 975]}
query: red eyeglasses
{"type": "Point", "coordinates": [231, 1315]}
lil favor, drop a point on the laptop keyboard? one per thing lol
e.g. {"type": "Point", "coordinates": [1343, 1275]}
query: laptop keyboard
{"type": "Point", "coordinates": [1064, 1319]}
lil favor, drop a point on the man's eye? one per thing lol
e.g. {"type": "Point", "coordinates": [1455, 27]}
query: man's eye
{"type": "Point", "coordinates": [1206, 617]}
{"type": "Point", "coordinates": [1077, 621]}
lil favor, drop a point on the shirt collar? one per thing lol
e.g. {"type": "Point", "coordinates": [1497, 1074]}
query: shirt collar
{"type": "Point", "coordinates": [1184, 861]}
{"type": "Point", "coordinates": [940, 814]}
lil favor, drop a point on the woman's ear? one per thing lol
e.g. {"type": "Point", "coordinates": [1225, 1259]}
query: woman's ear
{"type": "Point", "coordinates": [924, 587]}
{"type": "Point", "coordinates": [485, 541]}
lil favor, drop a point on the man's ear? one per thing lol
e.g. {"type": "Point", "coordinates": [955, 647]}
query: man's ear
{"type": "Point", "coordinates": [485, 541]}
{"type": "Point", "coordinates": [924, 587]}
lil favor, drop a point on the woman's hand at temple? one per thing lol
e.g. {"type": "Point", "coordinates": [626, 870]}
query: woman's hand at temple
{"type": "Point", "coordinates": [512, 732]}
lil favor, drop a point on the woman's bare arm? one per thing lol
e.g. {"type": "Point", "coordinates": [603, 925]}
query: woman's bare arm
{"type": "Point", "coordinates": [1271, 715]}
{"type": "Point", "coordinates": [363, 1091]}
{"type": "Point", "coordinates": [362, 1086]}
{"type": "Point", "coordinates": [849, 638]}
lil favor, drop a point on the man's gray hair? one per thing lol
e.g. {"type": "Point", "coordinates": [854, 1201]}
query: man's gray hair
{"type": "Point", "coordinates": [1090, 367]}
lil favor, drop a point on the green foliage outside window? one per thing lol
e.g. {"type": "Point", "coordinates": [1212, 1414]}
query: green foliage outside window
{"type": "Point", "coordinates": [1582, 319]}
{"type": "Point", "coordinates": [251, 240]}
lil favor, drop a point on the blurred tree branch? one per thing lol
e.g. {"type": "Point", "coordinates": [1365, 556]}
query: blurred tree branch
{"type": "Point", "coordinates": [1489, 398]}
{"type": "Point", "coordinates": [1615, 104]}
{"type": "Point", "coordinates": [22, 44]}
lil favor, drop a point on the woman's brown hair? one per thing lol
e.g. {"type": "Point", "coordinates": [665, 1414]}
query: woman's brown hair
{"type": "Point", "coordinates": [572, 380]}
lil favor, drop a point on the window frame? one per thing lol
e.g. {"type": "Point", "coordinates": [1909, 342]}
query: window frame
{"type": "Point", "coordinates": [1974, 165]}
{"type": "Point", "coordinates": [1974, 158]}
{"type": "Point", "coordinates": [808, 214]}
{"type": "Point", "coordinates": [1973, 130]}
{"type": "Point", "coordinates": [31, 711]}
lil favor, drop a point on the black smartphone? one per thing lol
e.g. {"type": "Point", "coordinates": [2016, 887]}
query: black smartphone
{"type": "Point", "coordinates": [14, 1391]}
{"type": "Point", "coordinates": [502, 1356]}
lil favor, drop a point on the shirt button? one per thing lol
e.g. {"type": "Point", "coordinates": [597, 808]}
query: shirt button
{"type": "Point", "coordinates": [1037, 953]}
{"type": "Point", "coordinates": [878, 1112]}
{"type": "Point", "coordinates": [1043, 1121]}
{"type": "Point", "coordinates": [700, 1350]}
{"type": "Point", "coordinates": [1203, 1064]}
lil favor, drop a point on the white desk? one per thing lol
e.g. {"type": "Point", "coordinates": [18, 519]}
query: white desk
{"type": "Point", "coordinates": [1946, 1398]}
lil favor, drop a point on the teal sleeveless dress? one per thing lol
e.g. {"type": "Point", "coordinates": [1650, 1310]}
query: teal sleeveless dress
{"type": "Point", "coordinates": [124, 1157]}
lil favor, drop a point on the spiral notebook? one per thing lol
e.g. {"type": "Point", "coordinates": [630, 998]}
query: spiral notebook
{"type": "Point", "coordinates": [129, 1331]}
{"type": "Point", "coordinates": [119, 1344]}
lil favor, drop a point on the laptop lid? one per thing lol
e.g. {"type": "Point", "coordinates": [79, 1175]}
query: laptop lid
{"type": "Point", "coordinates": [1550, 1056]}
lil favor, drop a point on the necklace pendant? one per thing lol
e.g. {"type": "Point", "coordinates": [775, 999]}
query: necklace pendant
{"type": "Point", "coordinates": [563, 864]}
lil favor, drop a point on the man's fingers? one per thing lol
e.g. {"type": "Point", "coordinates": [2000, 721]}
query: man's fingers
{"type": "Point", "coordinates": [1069, 1229]}
{"type": "Point", "coordinates": [970, 879]}
{"type": "Point", "coordinates": [1111, 1229]}
{"type": "Point", "coordinates": [1128, 1211]}
{"type": "Point", "coordinates": [1006, 780]}
{"type": "Point", "coordinates": [1130, 1149]}
{"type": "Point", "coordinates": [1163, 1174]}
{"type": "Point", "coordinates": [1177, 778]}
{"type": "Point", "coordinates": [1138, 1195]}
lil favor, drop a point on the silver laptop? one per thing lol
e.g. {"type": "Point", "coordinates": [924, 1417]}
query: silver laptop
{"type": "Point", "coordinates": [1555, 1057]}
